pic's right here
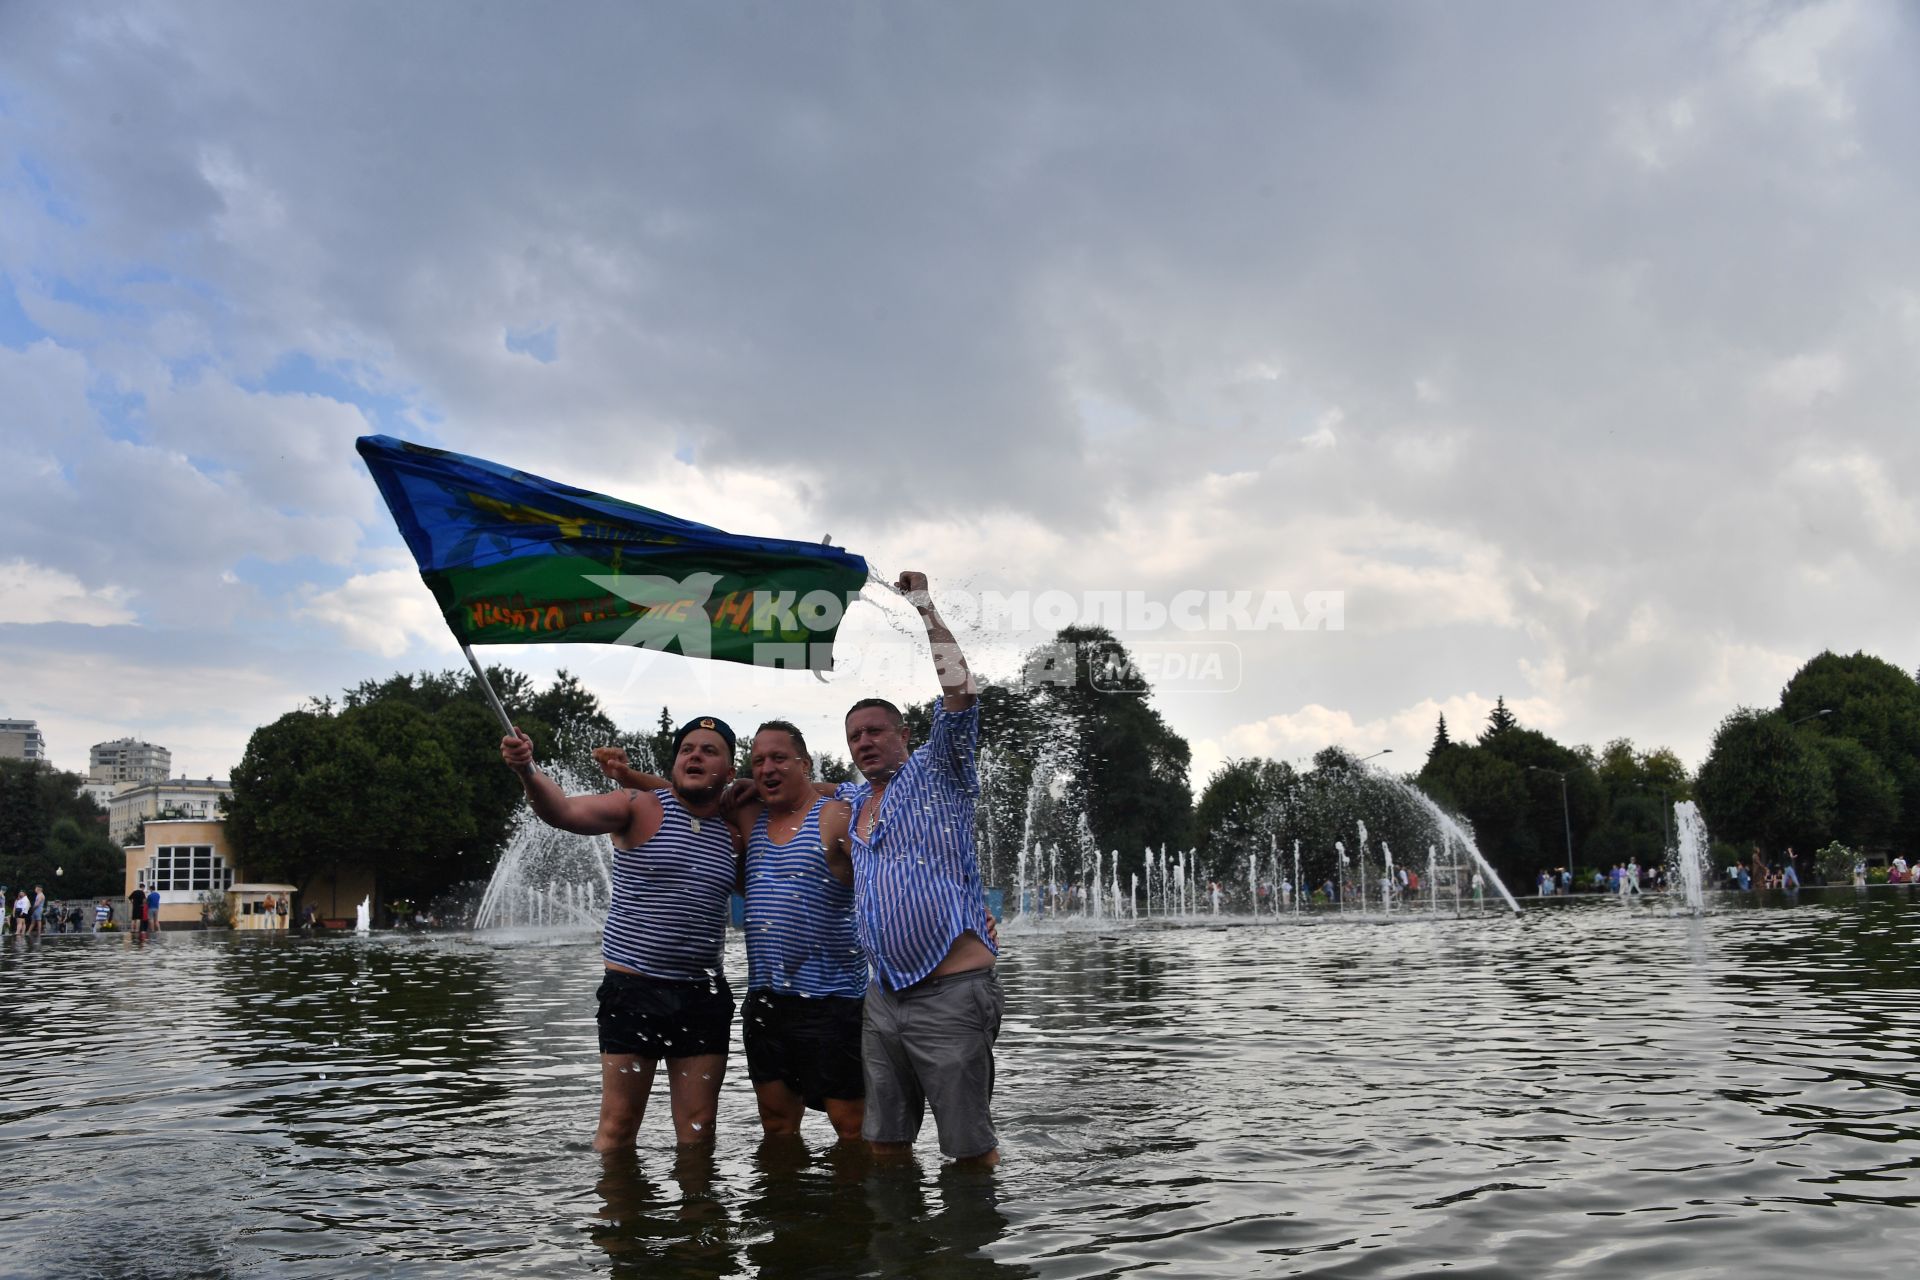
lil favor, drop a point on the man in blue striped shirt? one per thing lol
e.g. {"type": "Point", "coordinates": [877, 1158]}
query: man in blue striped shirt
{"type": "Point", "coordinates": [675, 864]}
{"type": "Point", "coordinates": [806, 972]}
{"type": "Point", "coordinates": [933, 1009]}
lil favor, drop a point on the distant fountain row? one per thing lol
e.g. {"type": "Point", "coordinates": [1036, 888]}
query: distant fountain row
{"type": "Point", "coordinates": [552, 880]}
{"type": "Point", "coordinates": [1173, 887]}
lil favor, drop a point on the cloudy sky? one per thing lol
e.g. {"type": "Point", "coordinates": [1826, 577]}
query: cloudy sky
{"type": "Point", "coordinates": [1577, 346]}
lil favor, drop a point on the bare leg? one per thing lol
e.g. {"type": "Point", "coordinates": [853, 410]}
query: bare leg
{"type": "Point", "coordinates": [847, 1115]}
{"type": "Point", "coordinates": [693, 1088]}
{"type": "Point", "coordinates": [624, 1083]}
{"type": "Point", "coordinates": [781, 1108]}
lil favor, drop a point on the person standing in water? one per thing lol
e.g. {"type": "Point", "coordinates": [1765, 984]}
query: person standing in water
{"type": "Point", "coordinates": [806, 974]}
{"type": "Point", "coordinates": [933, 1008]}
{"type": "Point", "coordinates": [665, 995]}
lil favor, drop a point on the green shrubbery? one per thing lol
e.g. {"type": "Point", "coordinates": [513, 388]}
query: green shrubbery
{"type": "Point", "coordinates": [216, 910]}
{"type": "Point", "coordinates": [1835, 863]}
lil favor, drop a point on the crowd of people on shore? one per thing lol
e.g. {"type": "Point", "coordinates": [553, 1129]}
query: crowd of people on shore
{"type": "Point", "coordinates": [32, 915]}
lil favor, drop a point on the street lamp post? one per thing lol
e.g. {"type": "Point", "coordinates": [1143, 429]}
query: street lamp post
{"type": "Point", "coordinates": [1384, 751]}
{"type": "Point", "coordinates": [1566, 814]}
{"type": "Point", "coordinates": [1824, 711]}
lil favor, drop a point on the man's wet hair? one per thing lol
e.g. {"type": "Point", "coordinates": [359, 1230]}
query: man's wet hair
{"type": "Point", "coordinates": [893, 712]}
{"type": "Point", "coordinates": [792, 731]}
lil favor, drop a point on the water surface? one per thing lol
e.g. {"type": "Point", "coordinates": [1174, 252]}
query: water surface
{"type": "Point", "coordinates": [1593, 1089]}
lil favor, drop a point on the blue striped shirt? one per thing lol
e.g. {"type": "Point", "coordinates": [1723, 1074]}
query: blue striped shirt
{"type": "Point", "coordinates": [800, 936]}
{"type": "Point", "coordinates": [668, 914]}
{"type": "Point", "coordinates": [916, 877]}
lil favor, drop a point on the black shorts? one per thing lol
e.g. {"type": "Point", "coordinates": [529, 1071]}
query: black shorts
{"type": "Point", "coordinates": [652, 1018]}
{"type": "Point", "coordinates": [812, 1043]}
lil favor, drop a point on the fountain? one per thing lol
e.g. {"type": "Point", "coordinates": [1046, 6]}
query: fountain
{"type": "Point", "coordinates": [1037, 884]}
{"type": "Point", "coordinates": [1360, 857]}
{"type": "Point", "coordinates": [1451, 830]}
{"type": "Point", "coordinates": [1689, 864]}
{"type": "Point", "coordinates": [1299, 886]}
{"type": "Point", "coordinates": [1083, 884]}
{"type": "Point", "coordinates": [363, 916]}
{"type": "Point", "coordinates": [548, 878]}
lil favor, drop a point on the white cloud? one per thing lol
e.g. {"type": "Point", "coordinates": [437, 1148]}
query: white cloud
{"type": "Point", "coordinates": [387, 612]}
{"type": "Point", "coordinates": [202, 712]}
{"type": "Point", "coordinates": [1800, 380]}
{"type": "Point", "coordinates": [31, 593]}
{"type": "Point", "coordinates": [1602, 298]}
{"type": "Point", "coordinates": [1796, 54]}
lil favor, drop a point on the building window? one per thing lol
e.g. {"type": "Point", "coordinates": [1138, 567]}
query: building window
{"type": "Point", "coordinates": [188, 867]}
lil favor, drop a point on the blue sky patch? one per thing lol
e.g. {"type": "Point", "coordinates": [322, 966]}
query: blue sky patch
{"type": "Point", "coordinates": [543, 343]}
{"type": "Point", "coordinates": [298, 373]}
{"type": "Point", "coordinates": [17, 329]}
{"type": "Point", "coordinates": [52, 203]}
{"type": "Point", "coordinates": [123, 413]}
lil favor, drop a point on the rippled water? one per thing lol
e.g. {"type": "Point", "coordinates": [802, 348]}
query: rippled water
{"type": "Point", "coordinates": [1592, 1089]}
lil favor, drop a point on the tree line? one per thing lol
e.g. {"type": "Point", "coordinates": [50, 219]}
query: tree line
{"type": "Point", "coordinates": [401, 777]}
{"type": "Point", "coordinates": [1838, 759]}
{"type": "Point", "coordinates": [55, 836]}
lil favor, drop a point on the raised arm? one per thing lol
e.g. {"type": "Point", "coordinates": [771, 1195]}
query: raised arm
{"type": "Point", "coordinates": [956, 681]}
{"type": "Point", "coordinates": [594, 815]}
{"type": "Point", "coordinates": [614, 763]}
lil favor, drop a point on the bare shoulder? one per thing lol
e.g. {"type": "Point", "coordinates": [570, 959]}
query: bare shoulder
{"type": "Point", "coordinates": [836, 821]}
{"type": "Point", "coordinates": [644, 816]}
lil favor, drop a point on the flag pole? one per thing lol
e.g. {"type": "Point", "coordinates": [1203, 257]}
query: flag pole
{"type": "Point", "coordinates": [487, 687]}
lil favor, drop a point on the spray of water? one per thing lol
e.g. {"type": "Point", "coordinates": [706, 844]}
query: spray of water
{"type": "Point", "coordinates": [547, 877]}
{"type": "Point", "coordinates": [1689, 859]}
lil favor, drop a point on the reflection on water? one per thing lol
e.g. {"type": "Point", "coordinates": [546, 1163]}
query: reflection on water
{"type": "Point", "coordinates": [1593, 1089]}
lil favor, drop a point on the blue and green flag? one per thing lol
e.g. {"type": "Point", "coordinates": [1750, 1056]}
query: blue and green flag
{"type": "Point", "coordinates": [517, 559]}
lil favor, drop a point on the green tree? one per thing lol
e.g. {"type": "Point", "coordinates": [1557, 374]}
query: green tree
{"type": "Point", "coordinates": [1129, 769]}
{"type": "Point", "coordinates": [1765, 783]}
{"type": "Point", "coordinates": [1875, 704]}
{"type": "Point", "coordinates": [660, 742]}
{"type": "Point", "coordinates": [1240, 810]}
{"type": "Point", "coordinates": [47, 824]}
{"type": "Point", "coordinates": [404, 780]}
{"type": "Point", "coordinates": [285, 819]}
{"type": "Point", "coordinates": [578, 725]}
{"type": "Point", "coordinates": [828, 767]}
{"type": "Point", "coordinates": [1491, 793]}
{"type": "Point", "coordinates": [1499, 720]}
{"type": "Point", "coordinates": [1866, 797]}
{"type": "Point", "coordinates": [87, 864]}
{"type": "Point", "coordinates": [1637, 791]}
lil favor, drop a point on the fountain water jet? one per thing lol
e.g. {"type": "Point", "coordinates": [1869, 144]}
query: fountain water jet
{"type": "Point", "coordinates": [548, 878]}
{"type": "Point", "coordinates": [1690, 855]}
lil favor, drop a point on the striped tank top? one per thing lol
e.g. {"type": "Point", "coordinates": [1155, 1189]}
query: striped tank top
{"type": "Point", "coordinates": [668, 915]}
{"type": "Point", "coordinates": [800, 936]}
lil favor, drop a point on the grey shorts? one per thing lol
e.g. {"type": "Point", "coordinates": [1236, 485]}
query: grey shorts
{"type": "Point", "coordinates": [932, 1044]}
